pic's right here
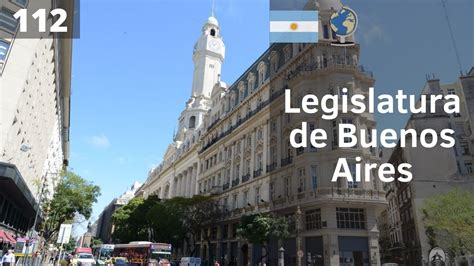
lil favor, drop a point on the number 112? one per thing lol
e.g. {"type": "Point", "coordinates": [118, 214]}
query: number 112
{"type": "Point", "coordinates": [40, 15]}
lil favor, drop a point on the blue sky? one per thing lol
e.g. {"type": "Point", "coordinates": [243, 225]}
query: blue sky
{"type": "Point", "coordinates": [132, 69]}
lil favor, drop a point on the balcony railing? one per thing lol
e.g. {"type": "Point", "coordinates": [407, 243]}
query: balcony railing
{"type": "Point", "coordinates": [225, 186]}
{"type": "Point", "coordinates": [235, 182]}
{"type": "Point", "coordinates": [257, 173]}
{"type": "Point", "coordinates": [245, 178]}
{"type": "Point", "coordinates": [328, 193]}
{"type": "Point", "coordinates": [271, 167]}
{"type": "Point", "coordinates": [240, 121]}
{"type": "Point", "coordinates": [286, 161]}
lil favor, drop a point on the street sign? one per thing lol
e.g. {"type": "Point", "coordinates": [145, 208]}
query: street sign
{"type": "Point", "coordinates": [64, 233]}
{"type": "Point", "coordinates": [300, 253]}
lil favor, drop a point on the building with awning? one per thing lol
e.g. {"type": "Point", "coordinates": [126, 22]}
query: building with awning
{"type": "Point", "coordinates": [17, 204]}
{"type": "Point", "coordinates": [35, 84]}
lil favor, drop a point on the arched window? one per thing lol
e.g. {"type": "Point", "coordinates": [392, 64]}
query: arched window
{"type": "Point", "coordinates": [192, 122]}
{"type": "Point", "coordinates": [213, 32]}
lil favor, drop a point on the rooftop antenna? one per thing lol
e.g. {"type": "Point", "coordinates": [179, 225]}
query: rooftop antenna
{"type": "Point", "coordinates": [443, 2]}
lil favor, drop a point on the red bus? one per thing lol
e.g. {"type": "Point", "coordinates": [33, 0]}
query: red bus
{"type": "Point", "coordinates": [142, 253]}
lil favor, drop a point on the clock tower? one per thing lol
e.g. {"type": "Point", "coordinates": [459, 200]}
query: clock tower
{"type": "Point", "coordinates": [208, 56]}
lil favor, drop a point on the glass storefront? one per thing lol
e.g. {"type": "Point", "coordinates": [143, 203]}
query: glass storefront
{"type": "Point", "coordinates": [353, 251]}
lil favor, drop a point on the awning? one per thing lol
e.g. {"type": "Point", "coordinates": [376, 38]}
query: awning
{"type": "Point", "coordinates": [6, 238]}
{"type": "Point", "coordinates": [11, 237]}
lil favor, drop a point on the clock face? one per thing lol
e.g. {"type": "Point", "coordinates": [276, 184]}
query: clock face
{"type": "Point", "coordinates": [214, 45]}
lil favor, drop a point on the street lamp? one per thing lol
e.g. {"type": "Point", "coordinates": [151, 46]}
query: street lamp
{"type": "Point", "coordinates": [298, 238]}
{"type": "Point", "coordinates": [38, 206]}
{"type": "Point", "coordinates": [281, 259]}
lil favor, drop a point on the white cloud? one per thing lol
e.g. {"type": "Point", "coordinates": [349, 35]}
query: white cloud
{"type": "Point", "coordinates": [101, 142]}
{"type": "Point", "coordinates": [373, 33]}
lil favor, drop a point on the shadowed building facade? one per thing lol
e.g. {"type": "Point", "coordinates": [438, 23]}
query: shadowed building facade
{"type": "Point", "coordinates": [35, 89]}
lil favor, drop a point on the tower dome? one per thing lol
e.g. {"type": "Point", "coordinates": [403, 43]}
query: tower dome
{"type": "Point", "coordinates": [213, 21]}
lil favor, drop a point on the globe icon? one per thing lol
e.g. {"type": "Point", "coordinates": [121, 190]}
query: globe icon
{"type": "Point", "coordinates": [344, 22]}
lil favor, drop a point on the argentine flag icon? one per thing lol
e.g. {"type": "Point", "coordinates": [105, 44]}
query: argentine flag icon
{"type": "Point", "coordinates": [293, 26]}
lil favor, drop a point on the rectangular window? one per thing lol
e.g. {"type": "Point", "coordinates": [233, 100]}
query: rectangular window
{"type": "Point", "coordinates": [259, 161]}
{"type": "Point", "coordinates": [301, 180]}
{"type": "Point", "coordinates": [314, 177]}
{"type": "Point", "coordinates": [290, 218]}
{"type": "Point", "coordinates": [234, 202]}
{"type": "Point", "coordinates": [21, 3]}
{"type": "Point", "coordinates": [468, 167]}
{"type": "Point", "coordinates": [245, 198]}
{"type": "Point", "coordinates": [352, 184]}
{"type": "Point", "coordinates": [287, 187]}
{"type": "Point", "coordinates": [325, 32]}
{"type": "Point", "coordinates": [7, 21]}
{"type": "Point", "coordinates": [225, 231]}
{"type": "Point", "coordinates": [234, 229]}
{"type": "Point", "coordinates": [257, 195]}
{"type": "Point", "coordinates": [350, 218]}
{"type": "Point", "coordinates": [313, 219]}
{"type": "Point", "coordinates": [347, 121]}
{"type": "Point", "coordinates": [451, 92]}
{"type": "Point", "coordinates": [335, 140]}
{"type": "Point", "coordinates": [465, 148]}
{"type": "Point", "coordinates": [4, 47]}
{"type": "Point", "coordinates": [272, 190]}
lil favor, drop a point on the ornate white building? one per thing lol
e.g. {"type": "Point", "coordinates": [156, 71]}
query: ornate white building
{"type": "Point", "coordinates": [232, 143]}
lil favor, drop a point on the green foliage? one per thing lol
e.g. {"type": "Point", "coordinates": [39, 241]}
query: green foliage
{"type": "Point", "coordinates": [449, 219]}
{"type": "Point", "coordinates": [74, 196]}
{"type": "Point", "coordinates": [96, 242]}
{"type": "Point", "coordinates": [259, 228]}
{"type": "Point", "coordinates": [171, 221]}
{"type": "Point", "coordinates": [69, 247]}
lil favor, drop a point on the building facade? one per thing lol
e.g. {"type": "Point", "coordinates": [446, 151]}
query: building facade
{"type": "Point", "coordinates": [233, 144]}
{"type": "Point", "coordinates": [435, 170]}
{"type": "Point", "coordinates": [35, 89]}
{"type": "Point", "coordinates": [103, 228]}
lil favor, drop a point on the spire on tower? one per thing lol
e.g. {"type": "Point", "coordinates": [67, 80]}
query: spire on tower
{"type": "Point", "coordinates": [213, 7]}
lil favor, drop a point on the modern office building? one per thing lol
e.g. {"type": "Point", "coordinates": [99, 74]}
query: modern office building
{"type": "Point", "coordinates": [233, 144]}
{"type": "Point", "coordinates": [35, 89]}
{"type": "Point", "coordinates": [435, 170]}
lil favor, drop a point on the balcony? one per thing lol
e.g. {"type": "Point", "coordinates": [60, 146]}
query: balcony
{"type": "Point", "coordinates": [235, 182]}
{"type": "Point", "coordinates": [286, 161]}
{"type": "Point", "coordinates": [225, 186]}
{"type": "Point", "coordinates": [245, 178]}
{"type": "Point", "coordinates": [299, 151]}
{"type": "Point", "coordinates": [329, 193]}
{"type": "Point", "coordinates": [271, 167]}
{"type": "Point", "coordinates": [257, 173]}
{"type": "Point", "coordinates": [275, 95]}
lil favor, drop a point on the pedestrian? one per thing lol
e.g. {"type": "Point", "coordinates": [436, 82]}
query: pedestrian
{"type": "Point", "coordinates": [8, 258]}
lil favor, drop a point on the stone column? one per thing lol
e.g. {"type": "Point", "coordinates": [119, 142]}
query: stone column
{"type": "Point", "coordinates": [374, 251]}
{"type": "Point", "coordinates": [331, 249]}
{"type": "Point", "coordinates": [185, 183]}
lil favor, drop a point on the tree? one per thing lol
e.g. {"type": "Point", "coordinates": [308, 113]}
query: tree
{"type": "Point", "coordinates": [449, 220]}
{"type": "Point", "coordinates": [260, 228]}
{"type": "Point", "coordinates": [129, 221]}
{"type": "Point", "coordinates": [96, 242]}
{"type": "Point", "coordinates": [73, 196]}
{"type": "Point", "coordinates": [199, 212]}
